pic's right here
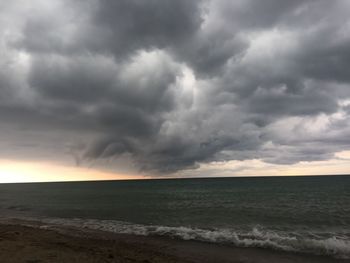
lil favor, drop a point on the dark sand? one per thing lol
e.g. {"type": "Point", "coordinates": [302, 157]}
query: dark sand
{"type": "Point", "coordinates": [33, 244]}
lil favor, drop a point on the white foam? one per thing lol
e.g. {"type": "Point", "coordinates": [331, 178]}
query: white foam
{"type": "Point", "coordinates": [335, 245]}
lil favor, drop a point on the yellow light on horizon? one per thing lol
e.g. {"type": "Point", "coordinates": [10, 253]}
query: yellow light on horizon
{"type": "Point", "coordinates": [21, 171]}
{"type": "Point", "coordinates": [12, 171]}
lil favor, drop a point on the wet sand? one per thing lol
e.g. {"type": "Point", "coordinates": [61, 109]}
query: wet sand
{"type": "Point", "coordinates": [36, 244]}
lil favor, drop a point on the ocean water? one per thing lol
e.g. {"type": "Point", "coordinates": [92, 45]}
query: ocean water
{"type": "Point", "coordinates": [299, 214]}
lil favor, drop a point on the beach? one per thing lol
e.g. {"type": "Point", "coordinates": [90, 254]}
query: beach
{"type": "Point", "coordinates": [32, 242]}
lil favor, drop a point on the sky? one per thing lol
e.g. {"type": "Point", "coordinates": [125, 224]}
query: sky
{"type": "Point", "coordinates": [117, 89]}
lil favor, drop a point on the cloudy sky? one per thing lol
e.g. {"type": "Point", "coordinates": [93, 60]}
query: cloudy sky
{"type": "Point", "coordinates": [103, 89]}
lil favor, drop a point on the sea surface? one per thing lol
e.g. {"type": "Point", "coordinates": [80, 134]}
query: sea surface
{"type": "Point", "coordinates": [298, 214]}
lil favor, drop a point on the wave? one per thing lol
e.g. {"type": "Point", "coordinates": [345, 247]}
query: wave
{"type": "Point", "coordinates": [330, 244]}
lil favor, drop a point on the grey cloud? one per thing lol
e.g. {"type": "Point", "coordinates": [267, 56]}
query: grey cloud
{"type": "Point", "coordinates": [280, 102]}
{"type": "Point", "coordinates": [172, 84]}
{"type": "Point", "coordinates": [118, 27]}
{"type": "Point", "coordinates": [83, 79]}
{"type": "Point", "coordinates": [131, 25]}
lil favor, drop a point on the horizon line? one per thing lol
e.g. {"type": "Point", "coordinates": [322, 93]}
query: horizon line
{"type": "Point", "coordinates": [175, 178]}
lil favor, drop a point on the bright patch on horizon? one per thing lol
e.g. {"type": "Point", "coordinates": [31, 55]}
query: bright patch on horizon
{"type": "Point", "coordinates": [17, 171]}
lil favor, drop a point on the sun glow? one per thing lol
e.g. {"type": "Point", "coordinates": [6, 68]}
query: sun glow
{"type": "Point", "coordinates": [17, 171]}
{"type": "Point", "coordinates": [21, 171]}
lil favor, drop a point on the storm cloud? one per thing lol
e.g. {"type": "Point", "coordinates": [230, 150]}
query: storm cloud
{"type": "Point", "coordinates": [171, 85]}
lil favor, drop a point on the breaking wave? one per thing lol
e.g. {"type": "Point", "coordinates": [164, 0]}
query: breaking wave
{"type": "Point", "coordinates": [325, 243]}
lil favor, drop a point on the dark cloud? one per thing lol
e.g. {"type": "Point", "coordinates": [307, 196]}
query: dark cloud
{"type": "Point", "coordinates": [80, 79]}
{"type": "Point", "coordinates": [279, 102]}
{"type": "Point", "coordinates": [173, 84]}
{"type": "Point", "coordinates": [131, 25]}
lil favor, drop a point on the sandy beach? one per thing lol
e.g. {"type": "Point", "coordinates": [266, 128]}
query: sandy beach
{"type": "Point", "coordinates": [34, 244]}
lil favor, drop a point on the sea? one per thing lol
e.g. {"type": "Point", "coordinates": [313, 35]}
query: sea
{"type": "Point", "coordinates": [295, 214]}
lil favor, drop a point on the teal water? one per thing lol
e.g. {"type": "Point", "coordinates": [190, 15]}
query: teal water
{"type": "Point", "coordinates": [307, 214]}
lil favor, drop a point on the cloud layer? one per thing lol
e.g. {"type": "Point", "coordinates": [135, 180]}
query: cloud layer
{"type": "Point", "coordinates": [169, 85]}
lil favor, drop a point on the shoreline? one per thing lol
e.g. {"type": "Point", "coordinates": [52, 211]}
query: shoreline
{"type": "Point", "coordinates": [31, 241]}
